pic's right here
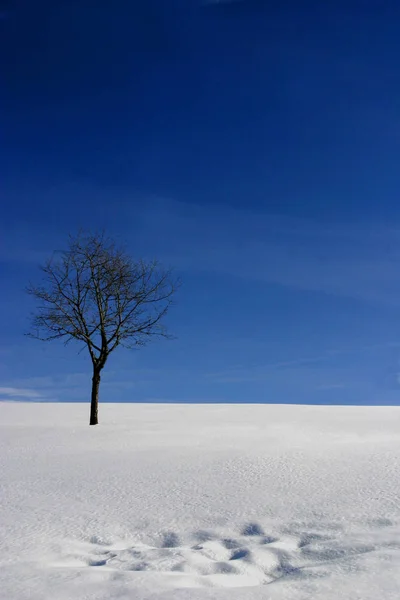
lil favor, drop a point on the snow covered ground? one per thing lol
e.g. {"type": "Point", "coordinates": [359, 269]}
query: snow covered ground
{"type": "Point", "coordinates": [199, 501]}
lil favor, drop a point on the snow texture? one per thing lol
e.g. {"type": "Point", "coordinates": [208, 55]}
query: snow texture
{"type": "Point", "coordinates": [199, 501]}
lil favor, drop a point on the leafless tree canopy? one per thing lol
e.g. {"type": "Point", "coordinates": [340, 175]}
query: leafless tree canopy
{"type": "Point", "coordinates": [96, 294]}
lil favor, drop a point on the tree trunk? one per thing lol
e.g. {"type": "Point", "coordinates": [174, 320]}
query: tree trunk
{"type": "Point", "coordinates": [95, 397]}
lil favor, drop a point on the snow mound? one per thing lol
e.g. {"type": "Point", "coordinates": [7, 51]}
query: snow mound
{"type": "Point", "coordinates": [241, 560]}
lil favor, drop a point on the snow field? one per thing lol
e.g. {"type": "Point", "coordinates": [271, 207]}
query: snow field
{"type": "Point", "coordinates": [201, 501]}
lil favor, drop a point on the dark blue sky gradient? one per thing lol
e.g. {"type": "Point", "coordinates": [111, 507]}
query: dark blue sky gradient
{"type": "Point", "coordinates": [255, 145]}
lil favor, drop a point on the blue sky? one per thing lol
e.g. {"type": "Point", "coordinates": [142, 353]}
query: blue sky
{"type": "Point", "coordinates": [252, 145]}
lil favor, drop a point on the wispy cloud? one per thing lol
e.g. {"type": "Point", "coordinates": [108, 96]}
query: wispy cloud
{"type": "Point", "coordinates": [45, 388]}
{"type": "Point", "coordinates": [75, 386]}
{"type": "Point", "coordinates": [263, 372]}
{"type": "Point", "coordinates": [14, 393]}
{"type": "Point", "coordinates": [258, 373]}
{"type": "Point", "coordinates": [359, 261]}
{"type": "Point", "coordinates": [330, 386]}
{"type": "Point", "coordinates": [356, 261]}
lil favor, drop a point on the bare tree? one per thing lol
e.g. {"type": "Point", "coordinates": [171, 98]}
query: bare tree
{"type": "Point", "coordinates": [96, 294]}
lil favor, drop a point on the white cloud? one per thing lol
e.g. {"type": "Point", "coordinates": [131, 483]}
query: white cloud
{"type": "Point", "coordinates": [17, 393]}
